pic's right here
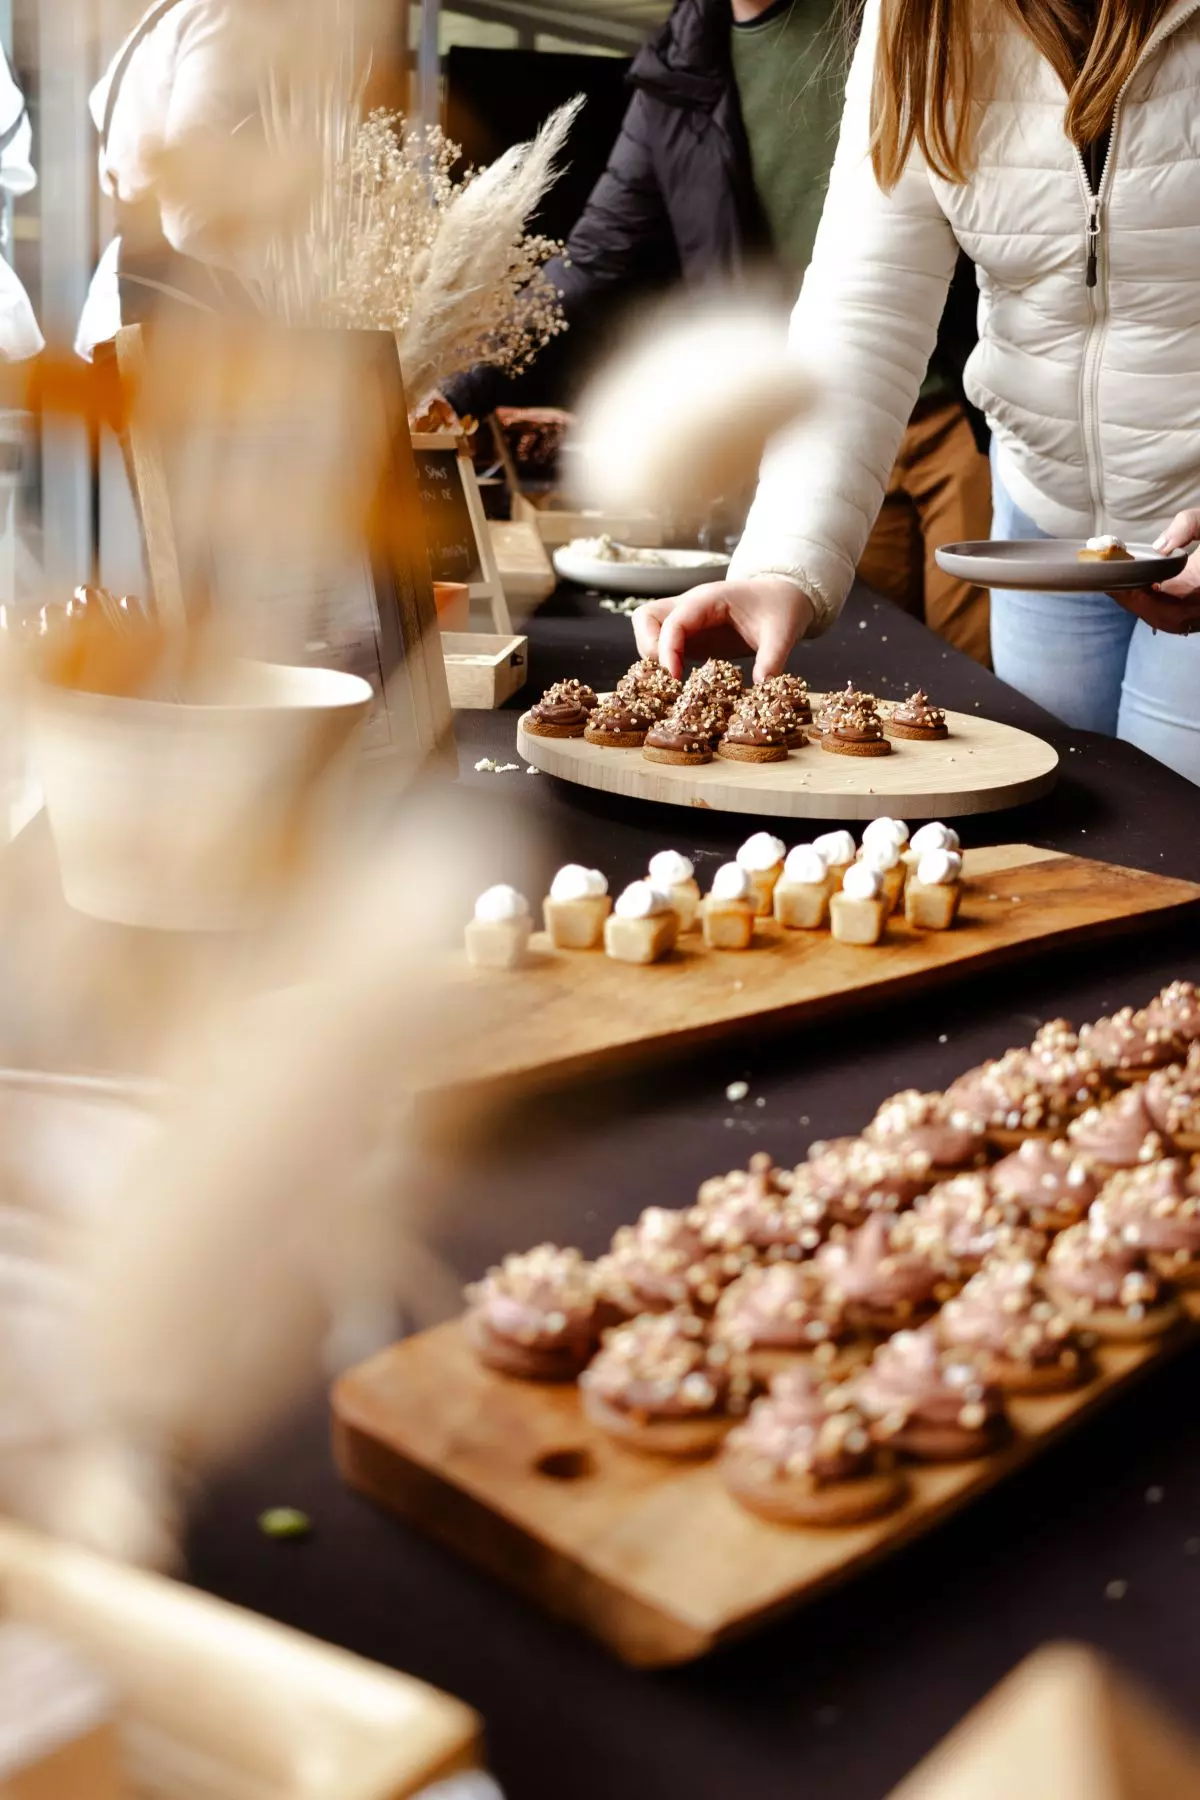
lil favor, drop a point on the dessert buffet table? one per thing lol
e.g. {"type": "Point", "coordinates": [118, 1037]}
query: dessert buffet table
{"type": "Point", "coordinates": [1099, 1539]}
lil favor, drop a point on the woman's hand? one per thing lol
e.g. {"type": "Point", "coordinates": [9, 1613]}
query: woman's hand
{"type": "Point", "coordinates": [727, 618]}
{"type": "Point", "coordinates": [1174, 605]}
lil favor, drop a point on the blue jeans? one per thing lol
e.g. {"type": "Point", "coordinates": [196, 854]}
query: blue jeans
{"type": "Point", "coordinates": [1093, 665]}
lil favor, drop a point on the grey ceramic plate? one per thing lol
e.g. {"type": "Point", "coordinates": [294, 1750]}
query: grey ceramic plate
{"type": "Point", "coordinates": [1052, 566]}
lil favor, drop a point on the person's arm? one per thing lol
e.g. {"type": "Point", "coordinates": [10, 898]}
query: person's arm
{"type": "Point", "coordinates": [618, 231]}
{"type": "Point", "coordinates": [214, 93]}
{"type": "Point", "coordinates": [865, 325]}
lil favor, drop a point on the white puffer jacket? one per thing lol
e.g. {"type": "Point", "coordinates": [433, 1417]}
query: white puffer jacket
{"type": "Point", "coordinates": [1089, 375]}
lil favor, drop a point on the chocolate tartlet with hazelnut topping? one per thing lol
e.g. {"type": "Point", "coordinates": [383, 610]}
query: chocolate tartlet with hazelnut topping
{"type": "Point", "coordinates": [934, 1404]}
{"type": "Point", "coordinates": [961, 1222]}
{"type": "Point", "coordinates": [1109, 1285]}
{"type": "Point", "coordinates": [1049, 1181]}
{"type": "Point", "coordinates": [1156, 1208]}
{"type": "Point", "coordinates": [849, 725]}
{"type": "Point", "coordinates": [1027, 1345]}
{"type": "Point", "coordinates": [777, 1313]}
{"type": "Point", "coordinates": [790, 693]}
{"type": "Point", "coordinates": [1176, 1008]}
{"type": "Point", "coordinates": [851, 1177]}
{"type": "Point", "coordinates": [663, 1262]}
{"type": "Point", "coordinates": [917, 719]}
{"type": "Point", "coordinates": [659, 1386]}
{"type": "Point", "coordinates": [756, 1213]}
{"type": "Point", "coordinates": [1118, 1135]}
{"type": "Point", "coordinates": [1130, 1045]}
{"type": "Point", "coordinates": [929, 1125]}
{"type": "Point", "coordinates": [619, 723]}
{"type": "Point", "coordinates": [536, 1316]}
{"type": "Point", "coordinates": [1172, 1098]}
{"type": "Point", "coordinates": [688, 735]}
{"type": "Point", "coordinates": [881, 1281]}
{"type": "Point", "coordinates": [756, 732]}
{"type": "Point", "coordinates": [563, 711]}
{"type": "Point", "coordinates": [655, 687]}
{"type": "Point", "coordinates": [805, 1457]}
{"type": "Point", "coordinates": [1028, 1093]}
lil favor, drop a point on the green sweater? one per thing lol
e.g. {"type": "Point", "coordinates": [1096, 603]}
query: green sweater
{"type": "Point", "coordinates": [790, 70]}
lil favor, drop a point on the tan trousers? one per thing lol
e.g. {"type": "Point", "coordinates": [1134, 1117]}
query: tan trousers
{"type": "Point", "coordinates": [940, 493]}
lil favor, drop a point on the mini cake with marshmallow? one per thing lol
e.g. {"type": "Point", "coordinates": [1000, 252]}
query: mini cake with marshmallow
{"type": "Point", "coordinates": [858, 912]}
{"type": "Point", "coordinates": [642, 926]}
{"type": "Point", "coordinates": [839, 850]}
{"type": "Point", "coordinates": [498, 935]}
{"type": "Point", "coordinates": [729, 909]}
{"type": "Point", "coordinates": [674, 875]}
{"type": "Point", "coordinates": [1105, 548]}
{"type": "Point", "coordinates": [933, 892]}
{"type": "Point", "coordinates": [883, 849]}
{"type": "Point", "coordinates": [801, 899]}
{"type": "Point", "coordinates": [576, 907]}
{"type": "Point", "coordinates": [762, 857]}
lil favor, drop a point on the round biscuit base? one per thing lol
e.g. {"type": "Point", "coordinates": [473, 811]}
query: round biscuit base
{"type": "Point", "coordinates": [521, 1360]}
{"type": "Point", "coordinates": [616, 740]}
{"type": "Point", "coordinates": [683, 759]}
{"type": "Point", "coordinates": [685, 1438]}
{"type": "Point", "coordinates": [948, 1443]}
{"type": "Point", "coordinates": [535, 729]}
{"type": "Point", "coordinates": [1184, 1274]}
{"type": "Point", "coordinates": [753, 753]}
{"type": "Point", "coordinates": [918, 734]}
{"type": "Point", "coordinates": [871, 747]}
{"type": "Point", "coordinates": [1040, 1378]}
{"type": "Point", "coordinates": [1112, 1324]}
{"type": "Point", "coordinates": [796, 1501]}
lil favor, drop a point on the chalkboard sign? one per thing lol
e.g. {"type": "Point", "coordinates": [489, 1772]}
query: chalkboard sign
{"type": "Point", "coordinates": [456, 530]}
{"type": "Point", "coordinates": [449, 527]}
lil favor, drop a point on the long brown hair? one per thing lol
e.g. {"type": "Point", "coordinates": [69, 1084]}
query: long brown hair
{"type": "Point", "coordinates": [925, 65]}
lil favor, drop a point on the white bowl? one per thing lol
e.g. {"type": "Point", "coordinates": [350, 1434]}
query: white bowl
{"type": "Point", "coordinates": [674, 574]}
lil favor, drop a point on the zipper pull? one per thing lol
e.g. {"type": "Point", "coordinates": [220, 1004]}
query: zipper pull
{"type": "Point", "coordinates": [1093, 242]}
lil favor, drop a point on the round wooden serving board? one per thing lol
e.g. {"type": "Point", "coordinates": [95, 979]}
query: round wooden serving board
{"type": "Point", "coordinates": [981, 767]}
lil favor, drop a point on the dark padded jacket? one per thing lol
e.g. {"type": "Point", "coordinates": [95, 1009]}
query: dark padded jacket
{"type": "Point", "coordinates": [680, 175]}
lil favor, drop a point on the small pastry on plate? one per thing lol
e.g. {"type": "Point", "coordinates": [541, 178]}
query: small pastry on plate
{"type": "Point", "coordinates": [619, 723]}
{"type": "Point", "coordinates": [1109, 1285]}
{"type": "Point", "coordinates": [687, 736]}
{"type": "Point", "coordinates": [882, 1284]}
{"type": "Point", "coordinates": [858, 912]}
{"type": "Point", "coordinates": [1173, 1102]}
{"type": "Point", "coordinates": [563, 711]}
{"type": "Point", "coordinates": [727, 912]}
{"type": "Point", "coordinates": [756, 732]}
{"type": "Point", "coordinates": [576, 907]}
{"type": "Point", "coordinates": [1028, 1345]}
{"type": "Point", "coordinates": [1131, 1045]}
{"type": "Point", "coordinates": [884, 855]}
{"type": "Point", "coordinates": [762, 857]}
{"type": "Point", "coordinates": [536, 1316]}
{"type": "Point", "coordinates": [915, 718]}
{"type": "Point", "coordinates": [849, 725]}
{"type": "Point", "coordinates": [805, 1457]}
{"type": "Point", "coordinates": [790, 692]}
{"type": "Point", "coordinates": [930, 1125]}
{"type": "Point", "coordinates": [933, 892]}
{"type": "Point", "coordinates": [777, 1313]}
{"type": "Point", "coordinates": [659, 1387]}
{"type": "Point", "coordinates": [839, 850]}
{"type": "Point", "coordinates": [1046, 1178]}
{"type": "Point", "coordinates": [1156, 1208]}
{"type": "Point", "coordinates": [673, 875]}
{"type": "Point", "coordinates": [642, 927]}
{"type": "Point", "coordinates": [498, 936]}
{"type": "Point", "coordinates": [662, 1262]}
{"type": "Point", "coordinates": [1105, 549]}
{"type": "Point", "coordinates": [801, 899]}
{"type": "Point", "coordinates": [1119, 1134]}
{"type": "Point", "coordinates": [936, 1404]}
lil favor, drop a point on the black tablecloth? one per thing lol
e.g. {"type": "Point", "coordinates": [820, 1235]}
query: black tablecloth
{"type": "Point", "coordinates": [841, 1699]}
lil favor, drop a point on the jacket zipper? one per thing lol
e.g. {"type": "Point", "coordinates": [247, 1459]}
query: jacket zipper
{"type": "Point", "coordinates": [1096, 279]}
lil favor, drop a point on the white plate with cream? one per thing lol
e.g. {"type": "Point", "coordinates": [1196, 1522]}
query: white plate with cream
{"type": "Point", "coordinates": [615, 568]}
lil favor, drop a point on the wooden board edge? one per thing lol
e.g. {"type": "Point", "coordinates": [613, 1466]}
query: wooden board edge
{"type": "Point", "coordinates": [639, 1633]}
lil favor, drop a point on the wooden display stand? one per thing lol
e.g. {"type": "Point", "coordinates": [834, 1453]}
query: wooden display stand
{"type": "Point", "coordinates": [525, 569]}
{"type": "Point", "coordinates": [453, 509]}
{"type": "Point", "coordinates": [981, 767]}
{"type": "Point", "coordinates": [577, 1013]}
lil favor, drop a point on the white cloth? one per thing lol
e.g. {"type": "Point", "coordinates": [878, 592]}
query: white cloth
{"type": "Point", "coordinates": [1093, 393]}
{"type": "Point", "coordinates": [186, 78]}
{"type": "Point", "coordinates": [20, 336]}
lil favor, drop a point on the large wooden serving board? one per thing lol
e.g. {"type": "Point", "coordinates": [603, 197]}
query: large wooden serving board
{"type": "Point", "coordinates": [651, 1557]}
{"type": "Point", "coordinates": [981, 767]}
{"type": "Point", "coordinates": [572, 1013]}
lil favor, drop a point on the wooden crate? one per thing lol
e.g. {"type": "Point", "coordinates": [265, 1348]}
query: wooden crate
{"type": "Point", "coordinates": [484, 668]}
{"type": "Point", "coordinates": [525, 569]}
{"type": "Point", "coordinates": [556, 525]}
{"type": "Point", "coordinates": [221, 1705]}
